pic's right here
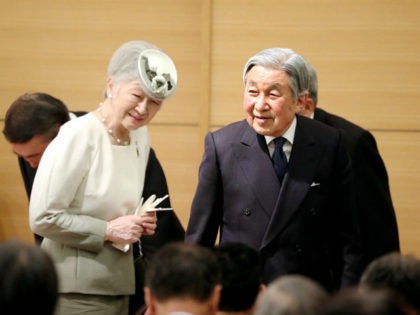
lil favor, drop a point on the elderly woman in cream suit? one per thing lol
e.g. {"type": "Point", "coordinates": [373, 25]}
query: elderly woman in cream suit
{"type": "Point", "coordinates": [90, 180]}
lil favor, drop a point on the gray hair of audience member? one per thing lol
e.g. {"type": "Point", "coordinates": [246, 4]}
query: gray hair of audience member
{"type": "Point", "coordinates": [313, 84]}
{"type": "Point", "coordinates": [180, 270]}
{"type": "Point", "coordinates": [28, 279]}
{"type": "Point", "coordinates": [395, 271]}
{"type": "Point", "coordinates": [283, 59]}
{"type": "Point", "coordinates": [292, 295]}
{"type": "Point", "coordinates": [34, 114]}
{"type": "Point", "coordinates": [350, 301]}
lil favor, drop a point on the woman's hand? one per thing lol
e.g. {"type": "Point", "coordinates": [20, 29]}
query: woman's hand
{"type": "Point", "coordinates": [125, 229]}
{"type": "Point", "coordinates": [149, 220]}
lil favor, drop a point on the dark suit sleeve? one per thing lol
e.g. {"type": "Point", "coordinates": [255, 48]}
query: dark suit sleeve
{"type": "Point", "coordinates": [28, 175]}
{"type": "Point", "coordinates": [206, 209]}
{"type": "Point", "coordinates": [169, 228]}
{"type": "Point", "coordinates": [378, 222]}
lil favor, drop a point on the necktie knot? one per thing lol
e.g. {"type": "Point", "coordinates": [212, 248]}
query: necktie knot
{"type": "Point", "coordinates": [278, 142]}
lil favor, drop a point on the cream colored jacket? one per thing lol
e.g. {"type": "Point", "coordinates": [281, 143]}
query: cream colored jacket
{"type": "Point", "coordinates": [82, 182]}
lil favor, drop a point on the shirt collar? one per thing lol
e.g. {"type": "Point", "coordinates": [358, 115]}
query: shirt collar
{"type": "Point", "coordinates": [289, 133]}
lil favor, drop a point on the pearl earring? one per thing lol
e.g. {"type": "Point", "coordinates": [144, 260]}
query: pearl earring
{"type": "Point", "coordinates": [109, 95]}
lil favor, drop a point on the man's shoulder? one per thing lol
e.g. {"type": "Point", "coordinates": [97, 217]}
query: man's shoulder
{"type": "Point", "coordinates": [356, 136]}
{"type": "Point", "coordinates": [232, 126]}
{"type": "Point", "coordinates": [231, 130]}
{"type": "Point", "coordinates": [339, 122]}
{"type": "Point", "coordinates": [309, 130]}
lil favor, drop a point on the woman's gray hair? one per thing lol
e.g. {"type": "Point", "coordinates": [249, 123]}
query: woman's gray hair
{"type": "Point", "coordinates": [283, 59]}
{"type": "Point", "coordinates": [142, 61]}
{"type": "Point", "coordinates": [123, 65]}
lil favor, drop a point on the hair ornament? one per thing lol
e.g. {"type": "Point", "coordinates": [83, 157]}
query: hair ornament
{"type": "Point", "coordinates": [158, 75]}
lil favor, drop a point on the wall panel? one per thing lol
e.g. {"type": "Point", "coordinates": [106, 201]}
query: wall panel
{"type": "Point", "coordinates": [13, 201]}
{"type": "Point", "coordinates": [401, 154]}
{"type": "Point", "coordinates": [365, 53]}
{"type": "Point", "coordinates": [63, 47]}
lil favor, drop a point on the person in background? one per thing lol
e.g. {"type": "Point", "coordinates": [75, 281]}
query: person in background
{"type": "Point", "coordinates": [90, 181]}
{"type": "Point", "coordinates": [377, 219]}
{"type": "Point", "coordinates": [32, 121]}
{"type": "Point", "coordinates": [279, 182]}
{"type": "Point", "coordinates": [28, 279]}
{"type": "Point", "coordinates": [241, 269]}
{"type": "Point", "coordinates": [183, 279]}
{"type": "Point", "coordinates": [292, 295]}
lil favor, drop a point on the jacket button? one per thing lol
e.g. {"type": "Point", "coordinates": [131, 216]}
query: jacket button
{"type": "Point", "coordinates": [247, 212]}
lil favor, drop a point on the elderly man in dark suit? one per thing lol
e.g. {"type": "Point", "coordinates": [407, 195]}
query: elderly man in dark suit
{"type": "Point", "coordinates": [378, 223]}
{"type": "Point", "coordinates": [299, 211]}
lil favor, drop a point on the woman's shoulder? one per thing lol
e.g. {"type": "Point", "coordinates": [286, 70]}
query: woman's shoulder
{"type": "Point", "coordinates": [83, 124]}
{"type": "Point", "coordinates": [83, 131]}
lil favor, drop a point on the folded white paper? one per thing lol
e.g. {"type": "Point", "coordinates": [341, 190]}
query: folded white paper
{"type": "Point", "coordinates": [149, 205]}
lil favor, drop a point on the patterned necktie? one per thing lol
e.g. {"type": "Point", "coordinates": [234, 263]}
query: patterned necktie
{"type": "Point", "coordinates": [279, 158]}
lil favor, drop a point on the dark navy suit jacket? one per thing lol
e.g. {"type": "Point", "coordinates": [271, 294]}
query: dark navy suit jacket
{"type": "Point", "coordinates": [298, 226]}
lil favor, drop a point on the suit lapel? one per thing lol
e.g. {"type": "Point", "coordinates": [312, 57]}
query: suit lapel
{"type": "Point", "coordinates": [302, 165]}
{"type": "Point", "coordinates": [253, 158]}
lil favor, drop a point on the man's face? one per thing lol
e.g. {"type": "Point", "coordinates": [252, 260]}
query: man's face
{"type": "Point", "coordinates": [32, 150]}
{"type": "Point", "coordinates": [268, 101]}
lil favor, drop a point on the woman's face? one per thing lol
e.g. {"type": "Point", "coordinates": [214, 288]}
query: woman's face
{"type": "Point", "coordinates": [133, 107]}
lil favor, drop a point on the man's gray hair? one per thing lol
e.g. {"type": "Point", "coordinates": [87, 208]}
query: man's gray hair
{"type": "Point", "coordinates": [283, 59]}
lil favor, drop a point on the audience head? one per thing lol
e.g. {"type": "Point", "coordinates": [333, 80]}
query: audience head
{"type": "Point", "coordinates": [292, 295]}
{"type": "Point", "coordinates": [371, 302]}
{"type": "Point", "coordinates": [183, 277]}
{"type": "Point", "coordinates": [28, 279]}
{"type": "Point", "coordinates": [241, 269]}
{"type": "Point", "coordinates": [398, 272]}
{"type": "Point", "coordinates": [31, 122]}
